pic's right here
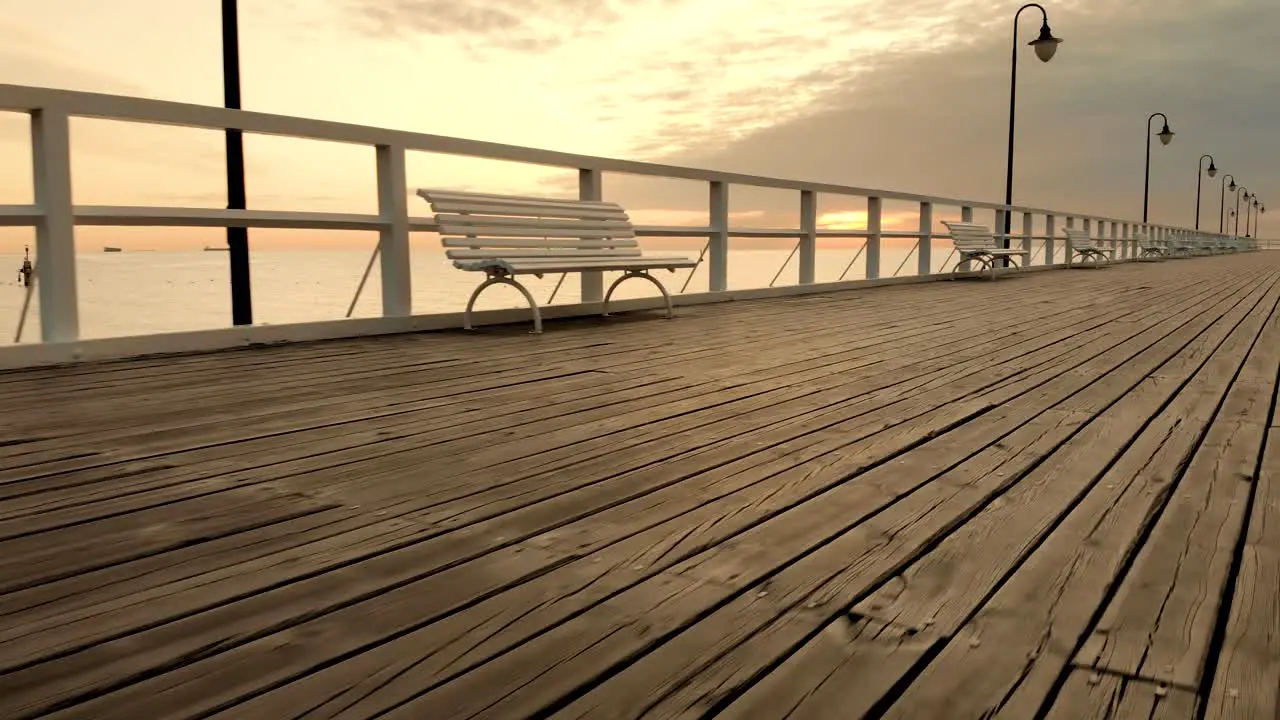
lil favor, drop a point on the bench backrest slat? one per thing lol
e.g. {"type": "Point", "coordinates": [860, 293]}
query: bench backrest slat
{"type": "Point", "coordinates": [969, 237]}
{"type": "Point", "coordinates": [1080, 239]}
{"type": "Point", "coordinates": [481, 225]}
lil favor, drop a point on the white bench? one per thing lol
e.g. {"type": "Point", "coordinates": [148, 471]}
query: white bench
{"type": "Point", "coordinates": [1083, 244]}
{"type": "Point", "coordinates": [1181, 246]}
{"type": "Point", "coordinates": [975, 242]}
{"type": "Point", "coordinates": [1148, 248]}
{"type": "Point", "coordinates": [508, 235]}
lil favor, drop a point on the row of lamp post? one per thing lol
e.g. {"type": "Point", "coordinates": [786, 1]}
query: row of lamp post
{"type": "Point", "coordinates": [1045, 46]}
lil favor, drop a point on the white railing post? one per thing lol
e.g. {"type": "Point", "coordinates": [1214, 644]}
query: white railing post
{"type": "Point", "coordinates": [1026, 237]}
{"type": "Point", "coordinates": [1116, 250]}
{"type": "Point", "coordinates": [55, 230]}
{"type": "Point", "coordinates": [1050, 228]}
{"type": "Point", "coordinates": [718, 247]}
{"type": "Point", "coordinates": [591, 187]}
{"type": "Point", "coordinates": [1124, 240]}
{"type": "Point", "coordinates": [874, 218]}
{"type": "Point", "coordinates": [926, 239]}
{"type": "Point", "coordinates": [393, 238]}
{"type": "Point", "coordinates": [809, 236]}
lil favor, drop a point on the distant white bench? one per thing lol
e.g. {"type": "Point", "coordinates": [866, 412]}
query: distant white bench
{"type": "Point", "coordinates": [975, 242]}
{"type": "Point", "coordinates": [1148, 248]}
{"type": "Point", "coordinates": [508, 235]}
{"type": "Point", "coordinates": [1083, 244]}
{"type": "Point", "coordinates": [1181, 246]}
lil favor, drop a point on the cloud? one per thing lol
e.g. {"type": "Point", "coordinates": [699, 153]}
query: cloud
{"type": "Point", "coordinates": [520, 25]}
{"type": "Point", "coordinates": [933, 121]}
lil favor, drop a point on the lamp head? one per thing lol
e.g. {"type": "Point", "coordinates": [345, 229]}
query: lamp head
{"type": "Point", "coordinates": [1232, 186]}
{"type": "Point", "coordinates": [1165, 135]}
{"type": "Point", "coordinates": [1212, 171]}
{"type": "Point", "coordinates": [1045, 45]}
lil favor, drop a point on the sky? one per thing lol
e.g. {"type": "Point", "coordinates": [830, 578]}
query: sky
{"type": "Point", "coordinates": [906, 95]}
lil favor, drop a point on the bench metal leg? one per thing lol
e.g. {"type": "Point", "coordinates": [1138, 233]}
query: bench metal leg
{"type": "Point", "coordinates": [1012, 263]}
{"type": "Point", "coordinates": [666, 297]}
{"type": "Point", "coordinates": [503, 280]}
{"type": "Point", "coordinates": [984, 264]}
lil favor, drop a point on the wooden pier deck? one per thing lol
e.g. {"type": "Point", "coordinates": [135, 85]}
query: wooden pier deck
{"type": "Point", "coordinates": [1054, 495]}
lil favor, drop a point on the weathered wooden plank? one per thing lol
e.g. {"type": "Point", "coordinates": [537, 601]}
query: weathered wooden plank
{"type": "Point", "coordinates": [917, 522]}
{"type": "Point", "coordinates": [1088, 695]}
{"type": "Point", "coordinates": [1010, 654]}
{"type": "Point", "coordinates": [1246, 683]}
{"type": "Point", "coordinates": [834, 675]}
{"type": "Point", "coordinates": [310, 597]}
{"type": "Point", "coordinates": [1160, 623]}
{"type": "Point", "coordinates": [504, 667]}
{"type": "Point", "coordinates": [45, 557]}
{"type": "Point", "coordinates": [513, 618]}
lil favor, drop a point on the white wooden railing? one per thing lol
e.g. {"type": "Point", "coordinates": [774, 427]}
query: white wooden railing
{"type": "Point", "coordinates": [55, 218]}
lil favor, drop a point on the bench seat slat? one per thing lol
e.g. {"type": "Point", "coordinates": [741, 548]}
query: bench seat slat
{"type": "Point", "coordinates": [548, 232]}
{"type": "Point", "coordinates": [552, 265]}
{"type": "Point", "coordinates": [557, 253]}
{"type": "Point", "coordinates": [995, 251]}
{"type": "Point", "coordinates": [525, 242]}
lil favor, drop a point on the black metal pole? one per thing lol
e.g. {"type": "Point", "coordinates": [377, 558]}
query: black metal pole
{"type": "Point", "coordinates": [1199, 177]}
{"type": "Point", "coordinates": [237, 237]}
{"type": "Point", "coordinates": [1013, 94]}
{"type": "Point", "coordinates": [1146, 179]}
{"type": "Point", "coordinates": [1222, 203]}
{"type": "Point", "coordinates": [1236, 231]}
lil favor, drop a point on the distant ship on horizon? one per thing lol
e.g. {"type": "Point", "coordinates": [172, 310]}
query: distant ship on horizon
{"type": "Point", "coordinates": [108, 248]}
{"type": "Point", "coordinates": [215, 249]}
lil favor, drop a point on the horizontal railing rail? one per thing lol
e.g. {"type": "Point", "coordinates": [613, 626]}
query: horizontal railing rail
{"type": "Point", "coordinates": [55, 217]}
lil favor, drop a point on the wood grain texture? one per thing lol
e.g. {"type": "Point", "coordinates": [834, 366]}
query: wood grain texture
{"type": "Point", "coordinates": [827, 506]}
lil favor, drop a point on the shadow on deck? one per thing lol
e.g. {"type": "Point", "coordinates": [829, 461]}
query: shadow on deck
{"type": "Point", "coordinates": [1048, 495]}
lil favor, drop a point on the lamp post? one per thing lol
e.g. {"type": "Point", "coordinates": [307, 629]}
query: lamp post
{"type": "Point", "coordinates": [1253, 216]}
{"type": "Point", "coordinates": [1245, 190]}
{"type": "Point", "coordinates": [1200, 172]}
{"type": "Point", "coordinates": [237, 237]}
{"type": "Point", "coordinates": [1222, 201]}
{"type": "Point", "coordinates": [1165, 136]}
{"type": "Point", "coordinates": [1045, 46]}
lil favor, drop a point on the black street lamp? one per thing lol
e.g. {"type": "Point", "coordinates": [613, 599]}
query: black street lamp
{"type": "Point", "coordinates": [1165, 136]}
{"type": "Point", "coordinates": [1045, 46]}
{"type": "Point", "coordinates": [1254, 216]}
{"type": "Point", "coordinates": [1222, 201]}
{"type": "Point", "coordinates": [1212, 171]}
{"type": "Point", "coordinates": [237, 237]}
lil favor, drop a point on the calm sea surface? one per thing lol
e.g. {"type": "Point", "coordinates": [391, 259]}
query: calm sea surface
{"type": "Point", "coordinates": [133, 293]}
